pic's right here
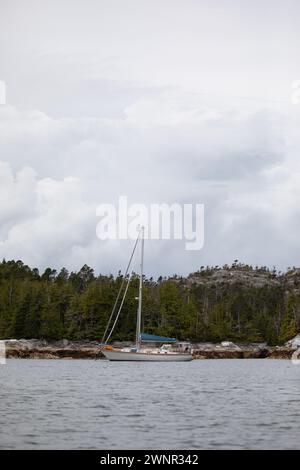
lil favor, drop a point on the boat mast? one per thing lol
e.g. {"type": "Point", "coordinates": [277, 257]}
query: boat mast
{"type": "Point", "coordinates": [139, 311]}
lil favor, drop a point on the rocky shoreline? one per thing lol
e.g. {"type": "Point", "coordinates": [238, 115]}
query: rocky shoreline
{"type": "Point", "coordinates": [64, 349]}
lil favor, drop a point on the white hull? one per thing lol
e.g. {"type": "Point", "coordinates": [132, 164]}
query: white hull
{"type": "Point", "coordinates": [113, 355]}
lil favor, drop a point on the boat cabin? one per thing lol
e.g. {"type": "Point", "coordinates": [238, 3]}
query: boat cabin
{"type": "Point", "coordinates": [181, 346]}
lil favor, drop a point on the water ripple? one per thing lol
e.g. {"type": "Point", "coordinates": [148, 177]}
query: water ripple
{"type": "Point", "coordinates": [221, 404]}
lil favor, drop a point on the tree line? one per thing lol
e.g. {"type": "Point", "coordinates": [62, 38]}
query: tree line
{"type": "Point", "coordinates": [76, 305]}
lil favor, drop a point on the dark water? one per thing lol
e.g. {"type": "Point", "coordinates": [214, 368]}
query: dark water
{"type": "Point", "coordinates": [63, 404]}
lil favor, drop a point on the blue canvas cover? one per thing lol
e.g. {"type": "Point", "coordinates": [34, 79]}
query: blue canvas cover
{"type": "Point", "coordinates": [156, 339]}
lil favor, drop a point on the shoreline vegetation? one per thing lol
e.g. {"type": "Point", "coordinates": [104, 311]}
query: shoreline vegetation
{"type": "Point", "coordinates": [64, 349]}
{"type": "Point", "coordinates": [241, 304]}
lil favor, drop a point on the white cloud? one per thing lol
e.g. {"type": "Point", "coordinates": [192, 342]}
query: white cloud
{"type": "Point", "coordinates": [42, 220]}
{"type": "Point", "coordinates": [242, 166]}
{"type": "Point", "coordinates": [160, 102]}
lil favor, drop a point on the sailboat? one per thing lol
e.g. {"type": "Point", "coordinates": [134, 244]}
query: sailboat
{"type": "Point", "coordinates": [174, 352]}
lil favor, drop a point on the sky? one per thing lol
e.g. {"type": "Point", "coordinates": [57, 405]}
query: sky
{"type": "Point", "coordinates": [169, 101]}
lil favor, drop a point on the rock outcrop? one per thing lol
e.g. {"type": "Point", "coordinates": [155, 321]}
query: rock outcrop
{"type": "Point", "coordinates": [227, 350]}
{"type": "Point", "coordinates": [228, 276]}
{"type": "Point", "coordinates": [293, 343]}
{"type": "Point", "coordinates": [40, 349]}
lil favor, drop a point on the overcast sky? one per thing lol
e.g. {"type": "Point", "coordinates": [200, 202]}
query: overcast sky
{"type": "Point", "coordinates": [162, 101]}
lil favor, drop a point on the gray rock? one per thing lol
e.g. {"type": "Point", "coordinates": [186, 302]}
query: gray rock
{"type": "Point", "coordinates": [293, 343]}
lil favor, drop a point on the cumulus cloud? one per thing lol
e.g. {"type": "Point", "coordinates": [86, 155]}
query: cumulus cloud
{"type": "Point", "coordinates": [42, 219]}
{"type": "Point", "coordinates": [159, 102]}
{"type": "Point", "coordinates": [168, 148]}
